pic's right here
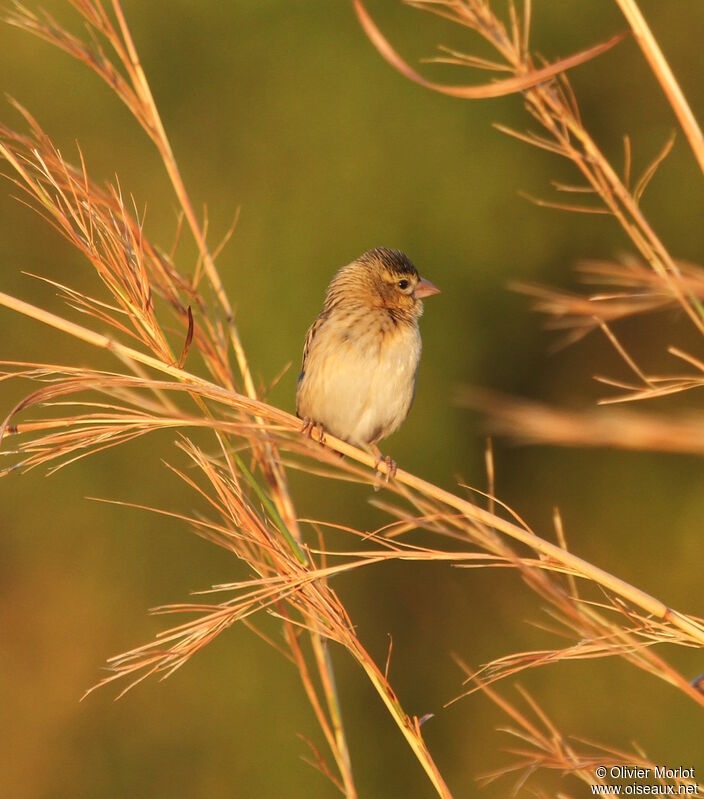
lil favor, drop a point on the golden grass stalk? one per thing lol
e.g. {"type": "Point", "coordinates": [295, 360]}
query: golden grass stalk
{"type": "Point", "coordinates": [173, 648]}
{"type": "Point", "coordinates": [553, 105]}
{"type": "Point", "coordinates": [656, 281]}
{"type": "Point", "coordinates": [473, 519]}
{"type": "Point", "coordinates": [537, 423]}
{"type": "Point", "coordinates": [63, 439]}
{"type": "Point", "coordinates": [661, 69]}
{"type": "Point", "coordinates": [157, 385]}
{"type": "Point", "coordinates": [538, 744]}
{"type": "Point", "coordinates": [497, 88]}
{"type": "Point", "coordinates": [135, 92]}
{"type": "Point", "coordinates": [286, 422]}
{"type": "Point", "coordinates": [627, 288]}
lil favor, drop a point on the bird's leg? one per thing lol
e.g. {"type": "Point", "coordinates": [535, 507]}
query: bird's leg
{"type": "Point", "coordinates": [309, 425]}
{"type": "Point", "coordinates": [391, 467]}
{"type": "Point", "coordinates": [388, 461]}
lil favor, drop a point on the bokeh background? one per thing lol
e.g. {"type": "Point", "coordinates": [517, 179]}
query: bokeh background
{"type": "Point", "coordinates": [285, 110]}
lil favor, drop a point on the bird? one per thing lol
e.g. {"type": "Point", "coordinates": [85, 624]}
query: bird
{"type": "Point", "coordinates": [361, 354]}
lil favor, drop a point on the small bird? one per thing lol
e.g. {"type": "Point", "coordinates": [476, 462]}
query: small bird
{"type": "Point", "coordinates": [361, 354]}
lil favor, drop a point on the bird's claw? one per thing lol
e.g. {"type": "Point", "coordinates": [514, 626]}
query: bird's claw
{"type": "Point", "coordinates": [389, 463]}
{"type": "Point", "coordinates": [309, 425]}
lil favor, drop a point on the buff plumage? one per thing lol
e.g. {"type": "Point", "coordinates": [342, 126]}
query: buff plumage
{"type": "Point", "coordinates": [361, 354]}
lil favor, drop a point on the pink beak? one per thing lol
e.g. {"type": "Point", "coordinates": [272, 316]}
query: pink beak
{"type": "Point", "coordinates": [424, 288]}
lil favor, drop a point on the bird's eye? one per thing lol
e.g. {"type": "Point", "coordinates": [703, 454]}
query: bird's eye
{"type": "Point", "coordinates": [403, 284]}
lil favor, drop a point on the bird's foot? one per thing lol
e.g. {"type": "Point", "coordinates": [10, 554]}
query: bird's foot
{"type": "Point", "coordinates": [390, 466]}
{"type": "Point", "coordinates": [310, 425]}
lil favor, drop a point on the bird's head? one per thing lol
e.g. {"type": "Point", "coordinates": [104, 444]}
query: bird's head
{"type": "Point", "coordinates": [383, 278]}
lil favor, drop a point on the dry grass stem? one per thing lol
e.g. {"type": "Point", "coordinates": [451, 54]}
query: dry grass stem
{"type": "Point", "coordinates": [174, 352]}
{"type": "Point", "coordinates": [661, 69]}
{"type": "Point", "coordinates": [538, 744]}
{"type": "Point", "coordinates": [497, 88]}
{"type": "Point", "coordinates": [537, 423]}
{"type": "Point", "coordinates": [552, 104]}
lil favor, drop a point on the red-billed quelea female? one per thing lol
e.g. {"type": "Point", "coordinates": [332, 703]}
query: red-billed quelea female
{"type": "Point", "coordinates": [361, 354]}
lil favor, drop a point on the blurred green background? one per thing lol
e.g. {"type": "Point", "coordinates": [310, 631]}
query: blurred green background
{"type": "Point", "coordinates": [285, 109]}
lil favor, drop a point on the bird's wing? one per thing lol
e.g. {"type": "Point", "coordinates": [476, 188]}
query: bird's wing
{"type": "Point", "coordinates": [310, 335]}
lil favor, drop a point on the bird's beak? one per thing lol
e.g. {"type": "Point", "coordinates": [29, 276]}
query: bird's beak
{"type": "Point", "coordinates": [424, 288]}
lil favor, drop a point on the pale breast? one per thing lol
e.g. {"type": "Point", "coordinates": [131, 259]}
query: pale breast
{"type": "Point", "coordinates": [359, 377]}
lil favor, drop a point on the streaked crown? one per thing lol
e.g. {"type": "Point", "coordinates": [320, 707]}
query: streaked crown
{"type": "Point", "coordinates": [395, 261]}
